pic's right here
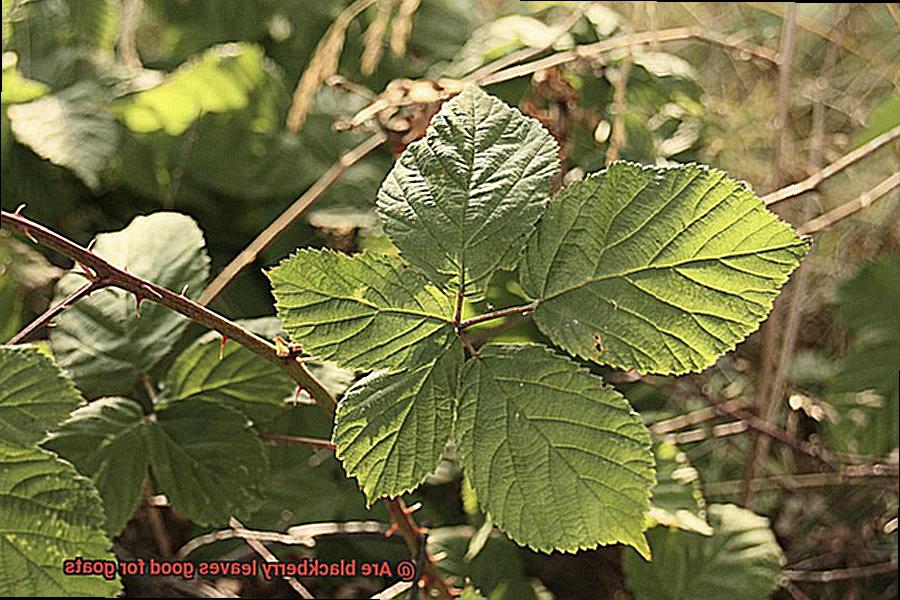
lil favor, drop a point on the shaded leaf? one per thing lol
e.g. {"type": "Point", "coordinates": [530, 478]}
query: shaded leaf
{"type": "Point", "coordinates": [100, 340]}
{"type": "Point", "coordinates": [70, 129]}
{"type": "Point", "coordinates": [236, 377]}
{"type": "Point", "coordinates": [533, 425]}
{"type": "Point", "coordinates": [867, 424]}
{"type": "Point", "coordinates": [661, 270]}
{"type": "Point", "coordinates": [741, 560]}
{"type": "Point", "coordinates": [104, 441]}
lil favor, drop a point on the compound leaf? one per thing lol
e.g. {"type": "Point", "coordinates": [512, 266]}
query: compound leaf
{"type": "Point", "coordinates": [390, 430]}
{"type": "Point", "coordinates": [660, 270]}
{"type": "Point", "coordinates": [100, 339]}
{"type": "Point", "coordinates": [48, 514]}
{"type": "Point", "coordinates": [208, 461]}
{"type": "Point", "coordinates": [363, 312]}
{"type": "Point", "coordinates": [203, 456]}
{"type": "Point", "coordinates": [557, 460]}
{"type": "Point", "coordinates": [34, 396]}
{"type": "Point", "coordinates": [232, 375]}
{"type": "Point", "coordinates": [463, 200]}
{"type": "Point", "coordinates": [741, 560]}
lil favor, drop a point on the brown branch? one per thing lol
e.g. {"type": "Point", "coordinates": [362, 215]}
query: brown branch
{"type": "Point", "coordinates": [585, 51]}
{"type": "Point", "coordinates": [249, 255]}
{"type": "Point", "coordinates": [850, 208]}
{"type": "Point", "coordinates": [295, 440]}
{"type": "Point", "coordinates": [267, 555]}
{"type": "Point", "coordinates": [617, 138]}
{"type": "Point", "coordinates": [804, 480]}
{"type": "Point", "coordinates": [46, 319]}
{"type": "Point", "coordinates": [830, 575]}
{"type": "Point", "coordinates": [527, 53]}
{"type": "Point", "coordinates": [109, 275]}
{"type": "Point", "coordinates": [814, 180]}
{"type": "Point", "coordinates": [767, 400]}
{"type": "Point", "coordinates": [499, 314]}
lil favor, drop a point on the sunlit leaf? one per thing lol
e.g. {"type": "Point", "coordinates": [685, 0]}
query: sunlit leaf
{"type": "Point", "coordinates": [658, 270]}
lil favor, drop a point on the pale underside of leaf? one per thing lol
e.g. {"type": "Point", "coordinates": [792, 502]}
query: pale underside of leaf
{"type": "Point", "coordinates": [391, 429]}
{"type": "Point", "coordinates": [48, 514]}
{"type": "Point", "coordinates": [659, 270]}
{"type": "Point", "coordinates": [100, 339]}
{"type": "Point", "coordinates": [557, 460]}
{"type": "Point", "coordinates": [363, 312]}
{"type": "Point", "coordinates": [461, 202]}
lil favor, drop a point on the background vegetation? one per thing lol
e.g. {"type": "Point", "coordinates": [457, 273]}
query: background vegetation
{"type": "Point", "coordinates": [228, 111]}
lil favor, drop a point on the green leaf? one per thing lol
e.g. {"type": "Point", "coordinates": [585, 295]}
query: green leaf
{"type": "Point", "coordinates": [661, 270]}
{"type": "Point", "coordinates": [70, 129]}
{"type": "Point", "coordinates": [557, 460]}
{"type": "Point", "coordinates": [364, 312]}
{"type": "Point", "coordinates": [34, 396]}
{"type": "Point", "coordinates": [100, 340]}
{"type": "Point", "coordinates": [238, 378]}
{"type": "Point", "coordinates": [390, 430]}
{"type": "Point", "coordinates": [461, 202]}
{"type": "Point", "coordinates": [225, 78]}
{"type": "Point", "coordinates": [740, 561]}
{"type": "Point", "coordinates": [104, 441]}
{"type": "Point", "coordinates": [866, 424]}
{"type": "Point", "coordinates": [48, 514]}
{"type": "Point", "coordinates": [208, 460]}
{"type": "Point", "coordinates": [205, 457]}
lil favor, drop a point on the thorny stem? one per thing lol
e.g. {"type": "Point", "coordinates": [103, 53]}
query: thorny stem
{"type": "Point", "coordinates": [46, 319]}
{"type": "Point", "coordinates": [107, 275]}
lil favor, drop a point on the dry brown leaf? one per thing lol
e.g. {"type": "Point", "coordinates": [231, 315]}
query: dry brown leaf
{"type": "Point", "coordinates": [322, 65]}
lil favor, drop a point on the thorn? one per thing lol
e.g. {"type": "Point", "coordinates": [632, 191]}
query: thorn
{"type": "Point", "coordinates": [50, 324]}
{"type": "Point", "coordinates": [147, 288]}
{"type": "Point", "coordinates": [420, 530]}
{"type": "Point", "coordinates": [90, 246]}
{"type": "Point", "coordinates": [86, 271]}
{"type": "Point", "coordinates": [19, 209]}
{"type": "Point", "coordinates": [137, 305]}
{"type": "Point", "coordinates": [185, 289]}
{"type": "Point", "coordinates": [29, 236]}
{"type": "Point", "coordinates": [222, 347]}
{"type": "Point", "coordinates": [391, 530]}
{"type": "Point", "coordinates": [297, 394]}
{"type": "Point", "coordinates": [411, 509]}
{"type": "Point", "coordinates": [282, 348]}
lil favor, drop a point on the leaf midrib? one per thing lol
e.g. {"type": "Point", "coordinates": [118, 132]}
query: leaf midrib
{"type": "Point", "coordinates": [672, 265]}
